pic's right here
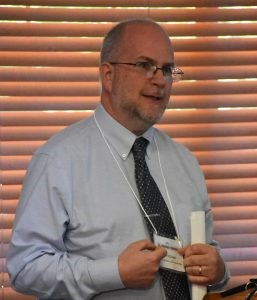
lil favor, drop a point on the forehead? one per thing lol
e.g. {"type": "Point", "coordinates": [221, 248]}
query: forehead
{"type": "Point", "coordinates": [146, 40]}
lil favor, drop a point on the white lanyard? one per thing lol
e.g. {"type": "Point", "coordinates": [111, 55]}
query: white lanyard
{"type": "Point", "coordinates": [167, 193]}
{"type": "Point", "coordinates": [131, 188]}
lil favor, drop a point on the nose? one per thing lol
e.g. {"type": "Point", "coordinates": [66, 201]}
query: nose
{"type": "Point", "coordinates": [158, 77]}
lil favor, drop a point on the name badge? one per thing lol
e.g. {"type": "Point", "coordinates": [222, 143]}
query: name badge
{"type": "Point", "coordinates": [173, 260]}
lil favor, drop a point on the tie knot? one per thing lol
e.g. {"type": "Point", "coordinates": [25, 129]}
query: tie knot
{"type": "Point", "coordinates": [139, 147]}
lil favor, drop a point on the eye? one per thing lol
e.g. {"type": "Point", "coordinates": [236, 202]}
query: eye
{"type": "Point", "coordinates": [146, 65]}
{"type": "Point", "coordinates": [167, 69]}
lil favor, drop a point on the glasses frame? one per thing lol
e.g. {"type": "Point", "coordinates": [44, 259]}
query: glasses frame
{"type": "Point", "coordinates": [175, 76]}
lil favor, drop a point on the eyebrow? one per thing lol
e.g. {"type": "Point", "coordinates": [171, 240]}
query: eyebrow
{"type": "Point", "coordinates": [172, 64]}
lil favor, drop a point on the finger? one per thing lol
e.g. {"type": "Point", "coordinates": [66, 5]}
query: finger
{"type": "Point", "coordinates": [196, 249]}
{"type": "Point", "coordinates": [143, 245]}
{"type": "Point", "coordinates": [195, 260]}
{"type": "Point", "coordinates": [197, 275]}
{"type": "Point", "coordinates": [196, 270]}
{"type": "Point", "coordinates": [199, 254]}
{"type": "Point", "coordinates": [182, 250]}
{"type": "Point", "coordinates": [160, 252]}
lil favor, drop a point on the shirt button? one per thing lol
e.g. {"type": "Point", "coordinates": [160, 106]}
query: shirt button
{"type": "Point", "coordinates": [124, 155]}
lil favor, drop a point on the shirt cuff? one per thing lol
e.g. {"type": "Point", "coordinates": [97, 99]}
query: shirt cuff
{"type": "Point", "coordinates": [222, 283]}
{"type": "Point", "coordinates": [104, 274]}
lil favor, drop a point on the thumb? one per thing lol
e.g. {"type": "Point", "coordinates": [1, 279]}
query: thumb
{"type": "Point", "coordinates": [182, 251]}
{"type": "Point", "coordinates": [143, 245]}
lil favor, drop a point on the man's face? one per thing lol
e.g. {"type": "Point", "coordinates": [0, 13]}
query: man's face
{"type": "Point", "coordinates": [137, 99]}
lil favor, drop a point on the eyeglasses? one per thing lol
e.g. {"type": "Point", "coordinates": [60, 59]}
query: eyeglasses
{"type": "Point", "coordinates": [169, 72]}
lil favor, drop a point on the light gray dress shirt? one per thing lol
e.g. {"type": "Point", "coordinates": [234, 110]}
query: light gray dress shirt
{"type": "Point", "coordinates": [77, 210]}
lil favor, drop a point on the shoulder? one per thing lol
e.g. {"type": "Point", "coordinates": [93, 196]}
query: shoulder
{"type": "Point", "coordinates": [71, 137]}
{"type": "Point", "coordinates": [178, 155]}
{"type": "Point", "coordinates": [169, 145]}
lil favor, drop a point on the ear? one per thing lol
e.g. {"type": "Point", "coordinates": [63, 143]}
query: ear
{"type": "Point", "coordinates": [106, 71]}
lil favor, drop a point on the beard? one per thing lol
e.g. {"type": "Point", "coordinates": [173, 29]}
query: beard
{"type": "Point", "coordinates": [148, 115]}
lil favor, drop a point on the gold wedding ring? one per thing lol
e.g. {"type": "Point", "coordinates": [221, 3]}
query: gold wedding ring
{"type": "Point", "coordinates": [200, 270]}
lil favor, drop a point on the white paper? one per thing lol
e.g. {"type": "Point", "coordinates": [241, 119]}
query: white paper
{"type": "Point", "coordinates": [173, 260]}
{"type": "Point", "coordinates": [198, 236]}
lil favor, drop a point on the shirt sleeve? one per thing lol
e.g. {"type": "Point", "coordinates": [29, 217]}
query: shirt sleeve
{"type": "Point", "coordinates": [38, 261]}
{"type": "Point", "coordinates": [219, 285]}
{"type": "Point", "coordinates": [198, 177]}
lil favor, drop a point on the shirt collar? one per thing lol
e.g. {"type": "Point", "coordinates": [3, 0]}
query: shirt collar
{"type": "Point", "coordinates": [116, 134]}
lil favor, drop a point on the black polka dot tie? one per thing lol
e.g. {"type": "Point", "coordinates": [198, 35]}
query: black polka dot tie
{"type": "Point", "coordinates": [175, 284]}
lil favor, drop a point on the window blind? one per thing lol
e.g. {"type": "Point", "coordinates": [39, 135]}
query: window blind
{"type": "Point", "coordinates": [49, 53]}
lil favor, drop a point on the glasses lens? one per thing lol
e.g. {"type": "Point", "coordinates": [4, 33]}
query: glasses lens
{"type": "Point", "coordinates": [167, 71]}
{"type": "Point", "coordinates": [146, 65]}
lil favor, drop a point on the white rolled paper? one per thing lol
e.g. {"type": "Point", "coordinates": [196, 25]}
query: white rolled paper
{"type": "Point", "coordinates": [197, 219]}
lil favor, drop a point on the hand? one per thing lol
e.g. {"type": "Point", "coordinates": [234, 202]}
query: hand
{"type": "Point", "coordinates": [139, 263]}
{"type": "Point", "coordinates": [203, 264]}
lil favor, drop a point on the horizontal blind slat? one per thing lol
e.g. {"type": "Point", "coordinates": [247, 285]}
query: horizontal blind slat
{"type": "Point", "coordinates": [16, 133]}
{"type": "Point", "coordinates": [208, 116]}
{"type": "Point", "coordinates": [9, 205]}
{"type": "Point", "coordinates": [210, 172]}
{"type": "Point", "coordinates": [235, 254]}
{"type": "Point", "coordinates": [90, 74]}
{"type": "Point", "coordinates": [11, 191]}
{"type": "Point", "coordinates": [226, 157]}
{"type": "Point", "coordinates": [200, 14]}
{"type": "Point", "coordinates": [24, 43]}
{"type": "Point", "coordinates": [28, 133]}
{"type": "Point", "coordinates": [49, 103]}
{"type": "Point", "coordinates": [91, 59]}
{"type": "Point", "coordinates": [135, 3]}
{"type": "Point", "coordinates": [219, 143]}
{"type": "Point", "coordinates": [99, 29]}
{"type": "Point", "coordinates": [238, 267]}
{"type": "Point", "coordinates": [204, 87]}
{"type": "Point", "coordinates": [49, 74]}
{"type": "Point", "coordinates": [232, 227]}
{"type": "Point", "coordinates": [15, 103]}
{"type": "Point", "coordinates": [65, 59]}
{"type": "Point", "coordinates": [7, 221]}
{"type": "Point", "coordinates": [236, 241]}
{"type": "Point", "coordinates": [232, 185]}
{"type": "Point", "coordinates": [235, 213]}
{"type": "Point", "coordinates": [49, 88]}
{"type": "Point", "coordinates": [194, 144]}
{"type": "Point", "coordinates": [15, 162]}
{"type": "Point", "coordinates": [230, 171]}
{"type": "Point", "coordinates": [205, 130]}
{"type": "Point", "coordinates": [233, 199]}
{"type": "Point", "coordinates": [204, 157]}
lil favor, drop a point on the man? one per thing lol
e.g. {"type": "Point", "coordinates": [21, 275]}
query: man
{"type": "Point", "coordinates": [80, 230]}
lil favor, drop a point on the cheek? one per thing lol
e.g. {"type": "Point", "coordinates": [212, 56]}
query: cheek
{"type": "Point", "coordinates": [131, 88]}
{"type": "Point", "coordinates": [168, 92]}
{"type": "Point", "coordinates": [121, 82]}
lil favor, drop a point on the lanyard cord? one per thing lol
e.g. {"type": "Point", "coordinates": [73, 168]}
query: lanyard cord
{"type": "Point", "coordinates": [124, 175]}
{"type": "Point", "coordinates": [167, 193]}
{"type": "Point", "coordinates": [131, 188]}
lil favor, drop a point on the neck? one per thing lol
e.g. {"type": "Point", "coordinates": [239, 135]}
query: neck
{"type": "Point", "coordinates": [135, 125]}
